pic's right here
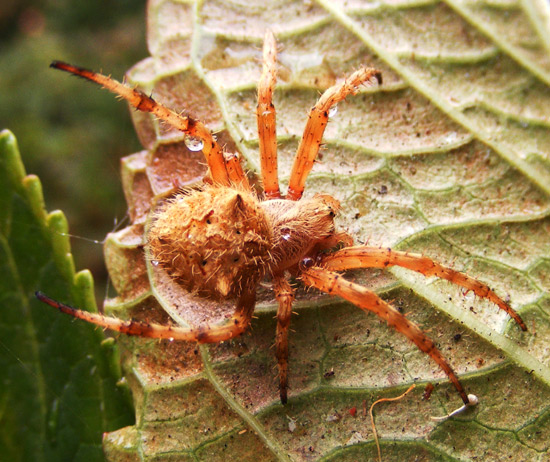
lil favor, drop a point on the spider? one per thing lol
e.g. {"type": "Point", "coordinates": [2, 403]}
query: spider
{"type": "Point", "coordinates": [220, 240]}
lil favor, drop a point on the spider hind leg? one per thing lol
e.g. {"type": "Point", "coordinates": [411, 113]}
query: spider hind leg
{"type": "Point", "coordinates": [234, 327]}
{"type": "Point", "coordinates": [212, 151]}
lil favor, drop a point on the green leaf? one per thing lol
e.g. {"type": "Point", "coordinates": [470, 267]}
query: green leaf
{"type": "Point", "coordinates": [58, 392]}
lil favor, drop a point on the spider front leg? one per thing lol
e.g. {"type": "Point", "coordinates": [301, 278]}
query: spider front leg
{"type": "Point", "coordinates": [372, 257]}
{"type": "Point", "coordinates": [234, 326]}
{"type": "Point", "coordinates": [212, 151]}
{"type": "Point", "coordinates": [265, 115]}
{"type": "Point", "coordinates": [285, 296]}
{"type": "Point", "coordinates": [316, 124]}
{"type": "Point", "coordinates": [334, 284]}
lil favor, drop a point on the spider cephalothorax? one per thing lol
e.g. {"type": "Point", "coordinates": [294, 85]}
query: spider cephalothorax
{"type": "Point", "coordinates": [219, 241]}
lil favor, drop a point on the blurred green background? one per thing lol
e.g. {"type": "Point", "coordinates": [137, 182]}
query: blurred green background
{"type": "Point", "coordinates": [71, 133]}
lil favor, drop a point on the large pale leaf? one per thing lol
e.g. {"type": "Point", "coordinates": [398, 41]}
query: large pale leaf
{"type": "Point", "coordinates": [449, 158]}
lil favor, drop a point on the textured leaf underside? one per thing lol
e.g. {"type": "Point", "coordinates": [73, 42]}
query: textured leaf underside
{"type": "Point", "coordinates": [449, 158]}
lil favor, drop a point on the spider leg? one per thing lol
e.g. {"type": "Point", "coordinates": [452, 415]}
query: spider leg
{"type": "Point", "coordinates": [235, 326]}
{"type": "Point", "coordinates": [191, 127]}
{"type": "Point", "coordinates": [265, 114]}
{"type": "Point", "coordinates": [338, 238]}
{"type": "Point", "coordinates": [372, 257]}
{"type": "Point", "coordinates": [285, 297]}
{"type": "Point", "coordinates": [334, 284]}
{"type": "Point", "coordinates": [235, 171]}
{"type": "Point", "coordinates": [315, 127]}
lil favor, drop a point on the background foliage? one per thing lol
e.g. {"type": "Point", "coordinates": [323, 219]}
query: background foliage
{"type": "Point", "coordinates": [57, 392]}
{"type": "Point", "coordinates": [74, 135]}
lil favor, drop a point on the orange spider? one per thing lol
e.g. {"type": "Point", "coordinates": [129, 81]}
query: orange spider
{"type": "Point", "coordinates": [221, 240]}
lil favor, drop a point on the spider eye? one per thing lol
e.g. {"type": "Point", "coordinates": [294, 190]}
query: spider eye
{"type": "Point", "coordinates": [307, 263]}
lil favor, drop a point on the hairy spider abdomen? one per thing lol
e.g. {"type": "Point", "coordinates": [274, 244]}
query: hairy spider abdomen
{"type": "Point", "coordinates": [210, 240]}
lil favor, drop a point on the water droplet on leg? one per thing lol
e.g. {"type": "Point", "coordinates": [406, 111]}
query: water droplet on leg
{"type": "Point", "coordinates": [194, 144]}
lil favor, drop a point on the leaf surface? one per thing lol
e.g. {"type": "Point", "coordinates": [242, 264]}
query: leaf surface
{"type": "Point", "coordinates": [58, 392]}
{"type": "Point", "coordinates": [449, 158]}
